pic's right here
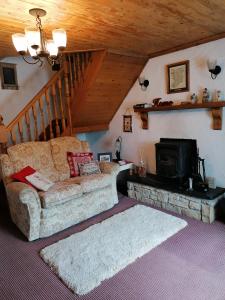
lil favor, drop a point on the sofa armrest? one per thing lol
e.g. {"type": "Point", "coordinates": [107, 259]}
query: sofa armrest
{"type": "Point", "coordinates": [6, 168]}
{"type": "Point", "coordinates": [25, 208]}
{"type": "Point", "coordinates": [109, 167]}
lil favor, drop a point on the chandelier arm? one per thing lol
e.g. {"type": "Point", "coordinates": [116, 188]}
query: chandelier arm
{"type": "Point", "coordinates": [31, 63]}
{"type": "Point", "coordinates": [41, 62]}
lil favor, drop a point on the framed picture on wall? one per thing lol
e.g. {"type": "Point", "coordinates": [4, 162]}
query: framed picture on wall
{"type": "Point", "coordinates": [106, 156]}
{"type": "Point", "coordinates": [8, 76]}
{"type": "Point", "coordinates": [127, 123]}
{"type": "Point", "coordinates": [178, 77]}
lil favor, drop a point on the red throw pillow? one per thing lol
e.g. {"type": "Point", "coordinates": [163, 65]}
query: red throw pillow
{"type": "Point", "coordinates": [20, 176]}
{"type": "Point", "coordinates": [75, 158]}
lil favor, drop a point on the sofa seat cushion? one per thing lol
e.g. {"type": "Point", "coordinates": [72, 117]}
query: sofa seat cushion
{"type": "Point", "coordinates": [59, 193]}
{"type": "Point", "coordinates": [92, 182]}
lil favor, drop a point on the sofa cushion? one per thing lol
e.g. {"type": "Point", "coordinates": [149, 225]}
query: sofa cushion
{"type": "Point", "coordinates": [75, 158]}
{"type": "Point", "coordinates": [60, 146]}
{"type": "Point", "coordinates": [21, 175]}
{"type": "Point", "coordinates": [39, 181]}
{"type": "Point", "coordinates": [35, 154]}
{"type": "Point", "coordinates": [89, 168]}
{"type": "Point", "coordinates": [92, 182]}
{"type": "Point", "coordinates": [59, 193]}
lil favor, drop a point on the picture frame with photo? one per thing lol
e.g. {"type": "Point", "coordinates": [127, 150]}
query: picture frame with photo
{"type": "Point", "coordinates": [8, 76]}
{"type": "Point", "coordinates": [105, 156]}
{"type": "Point", "coordinates": [178, 77]}
{"type": "Point", "coordinates": [127, 123]}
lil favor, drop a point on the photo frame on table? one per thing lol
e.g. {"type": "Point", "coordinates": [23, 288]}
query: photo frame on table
{"type": "Point", "coordinates": [178, 77]}
{"type": "Point", "coordinates": [8, 76]}
{"type": "Point", "coordinates": [127, 123]}
{"type": "Point", "coordinates": [106, 156]}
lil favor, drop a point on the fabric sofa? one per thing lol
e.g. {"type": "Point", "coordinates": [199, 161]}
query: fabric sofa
{"type": "Point", "coordinates": [68, 201]}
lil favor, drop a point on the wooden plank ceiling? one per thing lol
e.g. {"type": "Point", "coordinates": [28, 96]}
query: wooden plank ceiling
{"type": "Point", "coordinates": [134, 27]}
{"type": "Point", "coordinates": [131, 31]}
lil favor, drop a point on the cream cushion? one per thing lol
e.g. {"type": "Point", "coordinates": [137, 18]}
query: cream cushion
{"type": "Point", "coordinates": [60, 147]}
{"type": "Point", "coordinates": [59, 193]}
{"type": "Point", "coordinates": [92, 182]}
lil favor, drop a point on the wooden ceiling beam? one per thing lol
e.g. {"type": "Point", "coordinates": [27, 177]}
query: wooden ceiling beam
{"type": "Point", "coordinates": [188, 45]}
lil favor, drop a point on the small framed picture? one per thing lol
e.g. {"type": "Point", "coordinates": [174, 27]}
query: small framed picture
{"type": "Point", "coordinates": [127, 123]}
{"type": "Point", "coordinates": [8, 76]}
{"type": "Point", "coordinates": [178, 77]}
{"type": "Point", "coordinates": [106, 156]}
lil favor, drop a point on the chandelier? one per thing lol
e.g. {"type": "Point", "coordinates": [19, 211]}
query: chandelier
{"type": "Point", "coordinates": [34, 41]}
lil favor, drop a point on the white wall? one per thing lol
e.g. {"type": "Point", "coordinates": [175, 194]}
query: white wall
{"type": "Point", "coordinates": [195, 124]}
{"type": "Point", "coordinates": [31, 78]}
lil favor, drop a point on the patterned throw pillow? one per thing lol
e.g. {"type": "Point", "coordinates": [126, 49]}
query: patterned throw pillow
{"type": "Point", "coordinates": [21, 175]}
{"type": "Point", "coordinates": [89, 168]}
{"type": "Point", "coordinates": [39, 181]}
{"type": "Point", "coordinates": [75, 158]}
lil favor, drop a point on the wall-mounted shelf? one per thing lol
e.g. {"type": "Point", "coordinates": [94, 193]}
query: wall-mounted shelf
{"type": "Point", "coordinates": [215, 107]}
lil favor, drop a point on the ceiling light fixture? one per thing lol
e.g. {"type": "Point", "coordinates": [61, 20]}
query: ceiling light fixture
{"type": "Point", "coordinates": [34, 40]}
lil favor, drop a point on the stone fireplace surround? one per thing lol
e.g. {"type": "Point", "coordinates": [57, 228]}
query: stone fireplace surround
{"type": "Point", "coordinates": [197, 208]}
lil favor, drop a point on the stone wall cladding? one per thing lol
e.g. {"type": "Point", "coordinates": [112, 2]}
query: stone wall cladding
{"type": "Point", "coordinates": [199, 209]}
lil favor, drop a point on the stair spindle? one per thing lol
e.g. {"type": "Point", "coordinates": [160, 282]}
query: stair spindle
{"type": "Point", "coordinates": [34, 110]}
{"type": "Point", "coordinates": [27, 120]}
{"type": "Point", "coordinates": [49, 114]}
{"type": "Point", "coordinates": [59, 83]}
{"type": "Point", "coordinates": [13, 137]}
{"type": "Point", "coordinates": [71, 73]}
{"type": "Point", "coordinates": [67, 94]}
{"type": "Point", "coordinates": [55, 110]}
{"type": "Point", "coordinates": [20, 129]}
{"type": "Point", "coordinates": [76, 66]}
{"type": "Point", "coordinates": [41, 105]}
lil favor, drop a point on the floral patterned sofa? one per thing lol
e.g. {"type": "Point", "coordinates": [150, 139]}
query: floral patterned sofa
{"type": "Point", "coordinates": [68, 201]}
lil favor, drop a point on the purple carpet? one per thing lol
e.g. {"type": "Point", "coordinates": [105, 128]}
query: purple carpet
{"type": "Point", "coordinates": [188, 266]}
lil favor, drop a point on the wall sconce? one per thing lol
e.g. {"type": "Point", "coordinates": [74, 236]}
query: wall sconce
{"type": "Point", "coordinates": [144, 83]}
{"type": "Point", "coordinates": [214, 69]}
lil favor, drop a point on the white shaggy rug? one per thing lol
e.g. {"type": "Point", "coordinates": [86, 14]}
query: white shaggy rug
{"type": "Point", "coordinates": [86, 258]}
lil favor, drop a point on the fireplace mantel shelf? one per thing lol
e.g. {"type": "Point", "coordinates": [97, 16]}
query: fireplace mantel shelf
{"type": "Point", "coordinates": [215, 107]}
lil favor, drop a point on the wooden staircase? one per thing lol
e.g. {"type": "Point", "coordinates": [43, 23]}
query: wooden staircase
{"type": "Point", "coordinates": [48, 114]}
{"type": "Point", "coordinates": [82, 97]}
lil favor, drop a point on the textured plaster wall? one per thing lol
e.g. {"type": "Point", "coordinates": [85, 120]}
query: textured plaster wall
{"type": "Point", "coordinates": [31, 78]}
{"type": "Point", "coordinates": [194, 124]}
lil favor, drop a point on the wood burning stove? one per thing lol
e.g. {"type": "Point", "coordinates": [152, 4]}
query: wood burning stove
{"type": "Point", "coordinates": [176, 158]}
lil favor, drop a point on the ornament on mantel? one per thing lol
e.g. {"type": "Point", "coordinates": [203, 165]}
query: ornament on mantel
{"type": "Point", "coordinates": [218, 95]}
{"type": "Point", "coordinates": [205, 95]}
{"type": "Point", "coordinates": [194, 98]}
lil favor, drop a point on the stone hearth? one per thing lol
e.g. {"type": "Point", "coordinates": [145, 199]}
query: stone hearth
{"type": "Point", "coordinates": [200, 209]}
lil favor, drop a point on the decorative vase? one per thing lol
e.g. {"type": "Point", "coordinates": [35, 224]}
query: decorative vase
{"type": "Point", "coordinates": [142, 169]}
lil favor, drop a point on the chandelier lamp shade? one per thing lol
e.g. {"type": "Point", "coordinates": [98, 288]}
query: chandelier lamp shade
{"type": "Point", "coordinates": [34, 41]}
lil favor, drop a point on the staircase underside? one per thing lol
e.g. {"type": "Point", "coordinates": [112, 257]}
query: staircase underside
{"type": "Point", "coordinates": [116, 76]}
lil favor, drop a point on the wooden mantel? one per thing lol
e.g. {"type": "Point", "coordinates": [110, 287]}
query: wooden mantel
{"type": "Point", "coordinates": [215, 107]}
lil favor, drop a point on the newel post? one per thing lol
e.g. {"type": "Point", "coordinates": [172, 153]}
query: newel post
{"type": "Point", "coordinates": [3, 136]}
{"type": "Point", "coordinates": [67, 94]}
